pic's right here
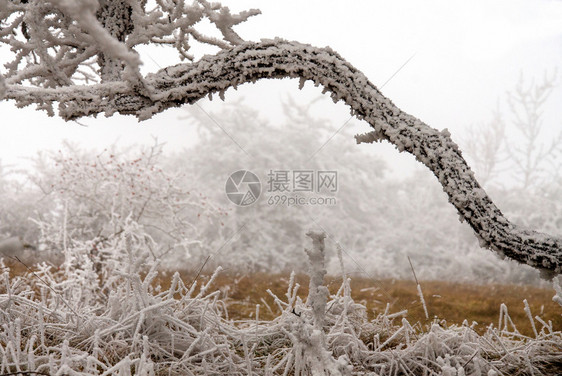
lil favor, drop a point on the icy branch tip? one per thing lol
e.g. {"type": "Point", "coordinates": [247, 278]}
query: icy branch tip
{"type": "Point", "coordinates": [317, 238]}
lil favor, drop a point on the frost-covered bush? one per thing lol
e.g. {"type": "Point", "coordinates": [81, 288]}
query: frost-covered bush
{"type": "Point", "coordinates": [96, 196]}
{"type": "Point", "coordinates": [64, 322]}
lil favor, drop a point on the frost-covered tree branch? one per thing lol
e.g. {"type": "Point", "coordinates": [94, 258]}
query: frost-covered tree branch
{"type": "Point", "coordinates": [59, 43]}
{"type": "Point", "coordinates": [249, 62]}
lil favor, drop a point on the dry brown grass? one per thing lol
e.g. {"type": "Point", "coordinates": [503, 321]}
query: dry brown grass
{"type": "Point", "coordinates": [451, 303]}
{"type": "Point", "coordinates": [448, 301]}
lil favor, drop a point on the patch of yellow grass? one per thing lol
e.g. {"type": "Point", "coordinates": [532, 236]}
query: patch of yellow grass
{"type": "Point", "coordinates": [447, 302]}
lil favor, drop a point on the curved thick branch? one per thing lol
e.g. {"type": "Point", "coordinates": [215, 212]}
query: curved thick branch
{"type": "Point", "coordinates": [249, 62]}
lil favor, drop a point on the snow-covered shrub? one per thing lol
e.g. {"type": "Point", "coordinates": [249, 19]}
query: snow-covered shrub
{"type": "Point", "coordinates": [96, 196]}
{"type": "Point", "coordinates": [55, 322]}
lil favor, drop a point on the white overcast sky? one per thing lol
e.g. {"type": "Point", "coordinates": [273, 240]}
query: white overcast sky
{"type": "Point", "coordinates": [466, 55]}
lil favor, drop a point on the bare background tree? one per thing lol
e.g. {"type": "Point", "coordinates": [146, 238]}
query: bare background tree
{"type": "Point", "coordinates": [516, 142]}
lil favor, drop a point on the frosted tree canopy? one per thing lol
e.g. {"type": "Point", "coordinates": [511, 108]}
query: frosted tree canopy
{"type": "Point", "coordinates": [79, 55]}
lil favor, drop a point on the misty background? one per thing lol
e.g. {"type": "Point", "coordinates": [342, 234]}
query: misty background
{"type": "Point", "coordinates": [486, 71]}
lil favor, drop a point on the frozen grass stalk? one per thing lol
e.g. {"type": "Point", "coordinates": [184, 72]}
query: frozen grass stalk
{"type": "Point", "coordinates": [420, 293]}
{"type": "Point", "coordinates": [317, 293]}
